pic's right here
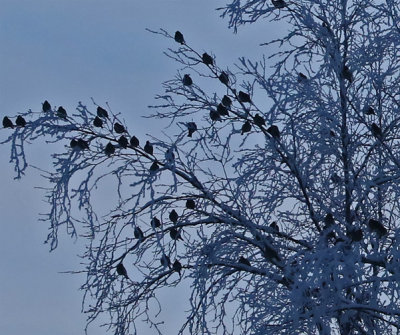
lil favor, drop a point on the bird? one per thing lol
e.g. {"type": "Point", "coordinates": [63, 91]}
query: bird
{"type": "Point", "coordinates": [244, 97]}
{"type": "Point", "coordinates": [274, 226]}
{"type": "Point", "coordinates": [376, 130]}
{"type": "Point", "coordinates": [244, 261]}
{"type": "Point", "coordinates": [165, 261]}
{"type": "Point", "coordinates": [101, 112]}
{"type": "Point", "coordinates": [61, 112]}
{"type": "Point", "coordinates": [223, 78]}
{"type": "Point", "coordinates": [119, 128]}
{"type": "Point", "coordinates": [274, 132]}
{"type": "Point", "coordinates": [73, 143]}
{"type": "Point", "coordinates": [109, 149]}
{"type": "Point", "coordinates": [155, 222]}
{"type": "Point", "coordinates": [177, 266]}
{"type": "Point", "coordinates": [187, 81]}
{"type": "Point", "coordinates": [148, 148]}
{"type": "Point", "coordinates": [259, 120]}
{"type": "Point", "coordinates": [7, 123]}
{"type": "Point", "coordinates": [46, 106]}
{"type": "Point", "coordinates": [222, 110]}
{"type": "Point", "coordinates": [346, 73]}
{"type": "Point", "coordinates": [279, 3]}
{"type": "Point", "coordinates": [122, 271]}
{"type": "Point", "coordinates": [207, 59]}
{"type": "Point", "coordinates": [301, 77]}
{"type": "Point", "coordinates": [20, 121]}
{"type": "Point", "coordinates": [134, 141]}
{"type": "Point", "coordinates": [271, 254]}
{"type": "Point", "coordinates": [377, 227]}
{"type": "Point", "coordinates": [154, 167]}
{"type": "Point", "coordinates": [190, 204]}
{"type": "Point", "coordinates": [138, 233]}
{"type": "Point", "coordinates": [192, 127]}
{"type": "Point", "coordinates": [97, 122]}
{"type": "Point", "coordinates": [82, 144]}
{"type": "Point", "coordinates": [226, 101]}
{"type": "Point", "coordinates": [179, 37]}
{"type": "Point", "coordinates": [246, 127]}
{"type": "Point", "coordinates": [175, 234]}
{"type": "Point", "coordinates": [356, 235]}
{"type": "Point", "coordinates": [368, 110]}
{"type": "Point", "coordinates": [329, 220]}
{"type": "Point", "coordinates": [123, 142]}
{"type": "Point", "coordinates": [173, 216]}
{"type": "Point", "coordinates": [214, 115]}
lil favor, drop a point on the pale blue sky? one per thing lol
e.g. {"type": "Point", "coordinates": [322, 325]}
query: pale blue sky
{"type": "Point", "coordinates": [68, 51]}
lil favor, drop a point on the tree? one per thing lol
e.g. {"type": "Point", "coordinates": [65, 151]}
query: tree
{"type": "Point", "coordinates": [284, 213]}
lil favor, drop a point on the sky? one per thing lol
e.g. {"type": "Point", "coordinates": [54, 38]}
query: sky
{"type": "Point", "coordinates": [68, 51]}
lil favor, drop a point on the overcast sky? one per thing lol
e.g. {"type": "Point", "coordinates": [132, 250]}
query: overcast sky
{"type": "Point", "coordinates": [67, 51]}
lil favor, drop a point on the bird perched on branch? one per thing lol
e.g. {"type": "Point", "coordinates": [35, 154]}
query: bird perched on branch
{"type": "Point", "coordinates": [192, 127]}
{"type": "Point", "coordinates": [138, 233]}
{"type": "Point", "coordinates": [154, 167]}
{"type": "Point", "coordinates": [346, 73]}
{"type": "Point", "coordinates": [122, 271]}
{"type": "Point", "coordinates": [274, 226]}
{"type": "Point", "coordinates": [7, 123]}
{"type": "Point", "coordinates": [214, 115]}
{"type": "Point", "coordinates": [155, 222]}
{"type": "Point", "coordinates": [222, 110]}
{"type": "Point", "coordinates": [82, 144]}
{"type": "Point", "coordinates": [187, 81]}
{"type": "Point", "coordinates": [46, 106]}
{"type": "Point", "coordinates": [301, 77]}
{"type": "Point", "coordinates": [109, 149]}
{"type": "Point", "coordinates": [246, 127]}
{"type": "Point", "coordinates": [61, 112]}
{"type": "Point", "coordinates": [175, 234]}
{"type": "Point", "coordinates": [377, 227]}
{"type": "Point", "coordinates": [244, 261]}
{"type": "Point", "coordinates": [101, 112]}
{"type": "Point", "coordinates": [223, 78]}
{"type": "Point", "coordinates": [207, 59]}
{"type": "Point", "coordinates": [179, 37]}
{"type": "Point", "coordinates": [165, 261]}
{"type": "Point", "coordinates": [97, 122]}
{"type": "Point", "coordinates": [376, 130]}
{"type": "Point", "coordinates": [226, 101]}
{"type": "Point", "coordinates": [173, 216]}
{"type": "Point", "coordinates": [20, 121]}
{"type": "Point", "coordinates": [177, 267]}
{"type": "Point", "coordinates": [148, 148]}
{"type": "Point", "coordinates": [123, 142]}
{"type": "Point", "coordinates": [259, 120]}
{"type": "Point", "coordinates": [190, 204]}
{"type": "Point", "coordinates": [279, 4]}
{"type": "Point", "coordinates": [134, 141]}
{"type": "Point", "coordinates": [244, 97]}
{"type": "Point", "coordinates": [119, 128]}
{"type": "Point", "coordinates": [274, 132]}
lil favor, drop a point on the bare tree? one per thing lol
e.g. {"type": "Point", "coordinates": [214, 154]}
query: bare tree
{"type": "Point", "coordinates": [274, 195]}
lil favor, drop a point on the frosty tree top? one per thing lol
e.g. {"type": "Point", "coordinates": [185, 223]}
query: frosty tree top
{"type": "Point", "coordinates": [286, 211]}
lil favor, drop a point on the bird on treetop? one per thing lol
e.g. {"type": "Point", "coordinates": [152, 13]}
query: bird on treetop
{"type": "Point", "coordinates": [122, 271]}
{"type": "Point", "coordinates": [173, 216]}
{"type": "Point", "coordinates": [148, 148]}
{"type": "Point", "coordinates": [109, 149]}
{"type": "Point", "coordinates": [175, 234]}
{"type": "Point", "coordinates": [190, 204]}
{"type": "Point", "coordinates": [134, 141]}
{"type": "Point", "coordinates": [279, 4]}
{"type": "Point", "coordinates": [244, 97]}
{"type": "Point", "coordinates": [101, 112]}
{"type": "Point", "coordinates": [179, 37]}
{"type": "Point", "coordinates": [192, 127]}
{"type": "Point", "coordinates": [7, 123]}
{"type": "Point", "coordinates": [73, 143]}
{"type": "Point", "coordinates": [46, 106]}
{"type": "Point", "coordinates": [223, 78]}
{"type": "Point", "coordinates": [177, 266]}
{"type": "Point", "coordinates": [119, 128]}
{"type": "Point", "coordinates": [61, 112]}
{"type": "Point", "coordinates": [246, 127]}
{"type": "Point", "coordinates": [138, 233]}
{"type": "Point", "coordinates": [207, 59]}
{"type": "Point", "coordinates": [274, 132]}
{"type": "Point", "coordinates": [222, 110]}
{"type": "Point", "coordinates": [20, 121]}
{"type": "Point", "coordinates": [82, 144]}
{"type": "Point", "coordinates": [154, 167]}
{"type": "Point", "coordinates": [97, 122]}
{"type": "Point", "coordinates": [226, 101]}
{"type": "Point", "coordinates": [123, 142]}
{"type": "Point", "coordinates": [187, 81]}
{"type": "Point", "coordinates": [155, 222]}
{"type": "Point", "coordinates": [259, 120]}
{"type": "Point", "coordinates": [214, 115]}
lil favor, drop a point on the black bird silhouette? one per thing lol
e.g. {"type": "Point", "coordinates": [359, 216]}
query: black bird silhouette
{"type": "Point", "coordinates": [226, 101]}
{"type": "Point", "coordinates": [279, 3]}
{"type": "Point", "coordinates": [376, 130]}
{"type": "Point", "coordinates": [138, 233]}
{"type": "Point", "coordinates": [46, 106]}
{"type": "Point", "coordinates": [244, 261]}
{"type": "Point", "coordinates": [109, 149]}
{"type": "Point", "coordinates": [346, 73]}
{"type": "Point", "coordinates": [20, 121]}
{"type": "Point", "coordinates": [274, 226]}
{"type": "Point", "coordinates": [207, 59]}
{"type": "Point", "coordinates": [214, 115]}
{"type": "Point", "coordinates": [7, 123]}
{"type": "Point", "coordinates": [177, 266]}
{"type": "Point", "coordinates": [301, 77]}
{"type": "Point", "coordinates": [244, 97]}
{"type": "Point", "coordinates": [122, 271]}
{"type": "Point", "coordinates": [119, 128]}
{"type": "Point", "coordinates": [73, 143]}
{"type": "Point", "coordinates": [368, 110]}
{"type": "Point", "coordinates": [329, 220]}
{"type": "Point", "coordinates": [274, 132]}
{"type": "Point", "coordinates": [271, 254]}
{"type": "Point", "coordinates": [259, 120]}
{"type": "Point", "coordinates": [179, 37]}
{"type": "Point", "coordinates": [82, 144]}
{"type": "Point", "coordinates": [222, 110]}
{"type": "Point", "coordinates": [61, 112]}
{"type": "Point", "coordinates": [123, 142]}
{"type": "Point", "coordinates": [187, 81]}
{"type": "Point", "coordinates": [173, 216]}
{"type": "Point", "coordinates": [134, 141]}
{"type": "Point", "coordinates": [148, 148]}
{"type": "Point", "coordinates": [154, 167]}
{"type": "Point", "coordinates": [223, 78]}
{"type": "Point", "coordinates": [101, 112]}
{"type": "Point", "coordinates": [175, 234]}
{"type": "Point", "coordinates": [356, 235]}
{"type": "Point", "coordinates": [192, 127]}
{"type": "Point", "coordinates": [155, 222]}
{"type": "Point", "coordinates": [377, 227]}
{"type": "Point", "coordinates": [165, 261]}
{"type": "Point", "coordinates": [97, 122]}
{"type": "Point", "coordinates": [246, 127]}
{"type": "Point", "coordinates": [190, 204]}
